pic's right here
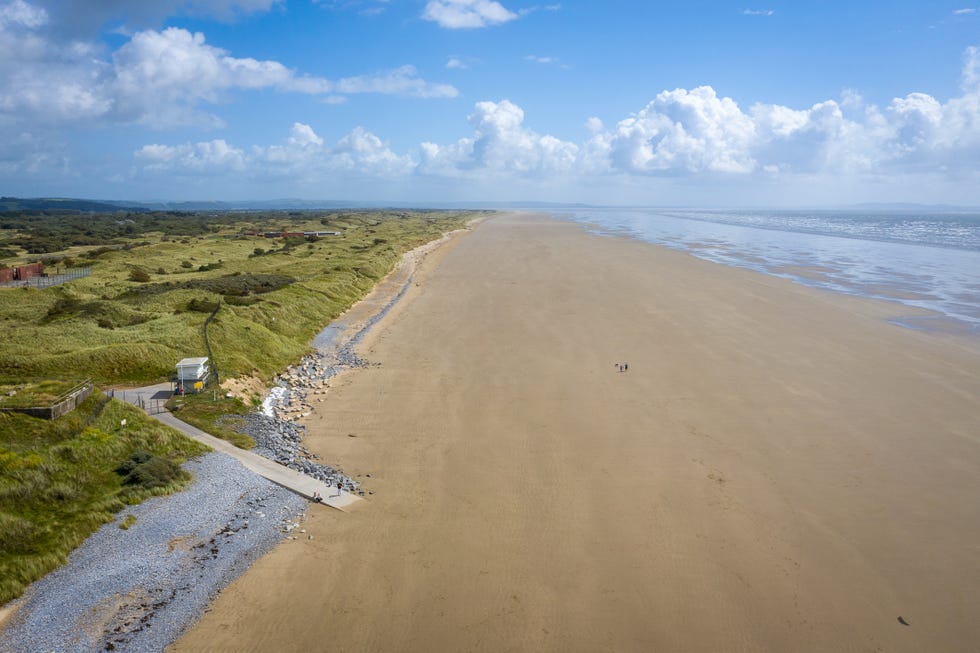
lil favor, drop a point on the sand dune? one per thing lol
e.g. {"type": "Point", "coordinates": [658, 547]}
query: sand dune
{"type": "Point", "coordinates": [780, 469]}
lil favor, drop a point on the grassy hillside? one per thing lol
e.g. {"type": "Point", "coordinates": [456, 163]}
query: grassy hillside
{"type": "Point", "coordinates": [62, 479]}
{"type": "Point", "coordinates": [144, 305]}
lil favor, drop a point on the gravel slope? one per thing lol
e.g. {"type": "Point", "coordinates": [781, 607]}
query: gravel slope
{"type": "Point", "coordinates": [138, 589]}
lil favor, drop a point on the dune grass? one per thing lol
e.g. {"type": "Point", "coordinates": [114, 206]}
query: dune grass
{"type": "Point", "coordinates": [140, 311]}
{"type": "Point", "coordinates": [59, 480]}
{"type": "Point", "coordinates": [40, 393]}
{"type": "Point", "coordinates": [275, 295]}
{"type": "Point", "coordinates": [205, 411]}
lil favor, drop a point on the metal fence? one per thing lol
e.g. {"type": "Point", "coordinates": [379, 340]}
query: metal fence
{"type": "Point", "coordinates": [63, 404]}
{"type": "Point", "coordinates": [49, 280]}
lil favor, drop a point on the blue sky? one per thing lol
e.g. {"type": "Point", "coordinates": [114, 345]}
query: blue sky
{"type": "Point", "coordinates": [701, 103]}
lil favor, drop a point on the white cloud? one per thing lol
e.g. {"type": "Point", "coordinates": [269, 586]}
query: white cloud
{"type": "Point", "coordinates": [363, 152]}
{"type": "Point", "coordinates": [211, 157]}
{"type": "Point", "coordinates": [400, 81]}
{"type": "Point", "coordinates": [467, 14]}
{"type": "Point", "coordinates": [684, 132]}
{"type": "Point", "coordinates": [965, 10]}
{"type": "Point", "coordinates": [302, 155]}
{"type": "Point", "coordinates": [501, 143]}
{"type": "Point", "coordinates": [758, 12]}
{"type": "Point", "coordinates": [455, 63]}
{"type": "Point", "coordinates": [18, 13]}
{"type": "Point", "coordinates": [971, 70]}
{"type": "Point", "coordinates": [541, 60]}
{"type": "Point", "coordinates": [303, 136]}
{"type": "Point", "coordinates": [157, 78]}
{"type": "Point", "coordinates": [594, 125]}
{"type": "Point", "coordinates": [694, 133]}
{"type": "Point", "coordinates": [160, 78]}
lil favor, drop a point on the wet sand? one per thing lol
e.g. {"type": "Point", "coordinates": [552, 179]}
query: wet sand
{"type": "Point", "coordinates": [780, 468]}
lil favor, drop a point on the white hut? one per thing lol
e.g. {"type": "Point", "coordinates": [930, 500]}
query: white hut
{"type": "Point", "coordinates": [192, 373]}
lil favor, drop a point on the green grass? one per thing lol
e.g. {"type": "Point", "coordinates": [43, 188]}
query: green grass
{"type": "Point", "coordinates": [205, 411]}
{"type": "Point", "coordinates": [116, 330]}
{"type": "Point", "coordinates": [59, 481]}
{"type": "Point", "coordinates": [40, 393]}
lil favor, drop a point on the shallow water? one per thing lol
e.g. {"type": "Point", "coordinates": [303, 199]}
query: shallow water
{"type": "Point", "coordinates": [926, 260]}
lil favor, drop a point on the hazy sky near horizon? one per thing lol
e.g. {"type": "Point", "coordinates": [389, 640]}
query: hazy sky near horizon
{"type": "Point", "coordinates": [702, 102]}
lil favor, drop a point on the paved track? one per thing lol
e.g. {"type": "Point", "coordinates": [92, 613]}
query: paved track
{"type": "Point", "coordinates": [152, 399]}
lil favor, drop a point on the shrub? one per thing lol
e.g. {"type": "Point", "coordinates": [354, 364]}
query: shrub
{"type": "Point", "coordinates": [106, 323]}
{"type": "Point", "coordinates": [149, 472]}
{"type": "Point", "coordinates": [139, 275]}
{"type": "Point", "coordinates": [62, 307]}
{"type": "Point", "coordinates": [201, 305]}
{"type": "Point", "coordinates": [186, 264]}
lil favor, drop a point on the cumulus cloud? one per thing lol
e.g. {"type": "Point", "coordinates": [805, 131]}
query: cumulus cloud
{"type": "Point", "coordinates": [211, 157]}
{"type": "Point", "coordinates": [501, 143]}
{"type": "Point", "coordinates": [684, 131]}
{"type": "Point", "coordinates": [157, 78]}
{"type": "Point", "coordinates": [302, 154]}
{"type": "Point", "coordinates": [680, 133]}
{"type": "Point", "coordinates": [303, 136]}
{"type": "Point", "coordinates": [456, 63]}
{"type": "Point", "coordinates": [467, 14]}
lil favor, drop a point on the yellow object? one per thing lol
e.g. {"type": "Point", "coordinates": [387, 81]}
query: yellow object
{"type": "Point", "coordinates": [198, 385]}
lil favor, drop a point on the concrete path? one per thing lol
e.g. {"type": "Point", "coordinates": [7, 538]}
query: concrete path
{"type": "Point", "coordinates": [152, 399]}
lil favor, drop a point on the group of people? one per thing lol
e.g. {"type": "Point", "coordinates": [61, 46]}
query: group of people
{"type": "Point", "coordinates": [623, 367]}
{"type": "Point", "coordinates": [318, 498]}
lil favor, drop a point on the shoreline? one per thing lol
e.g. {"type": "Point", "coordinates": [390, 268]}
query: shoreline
{"type": "Point", "coordinates": [773, 469]}
{"type": "Point", "coordinates": [38, 620]}
{"type": "Point", "coordinates": [827, 275]}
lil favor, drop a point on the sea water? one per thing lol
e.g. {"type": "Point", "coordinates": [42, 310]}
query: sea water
{"type": "Point", "coordinates": [928, 260]}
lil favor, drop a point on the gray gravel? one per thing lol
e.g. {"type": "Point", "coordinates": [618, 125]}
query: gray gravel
{"type": "Point", "coordinates": [139, 589]}
{"type": "Point", "coordinates": [280, 440]}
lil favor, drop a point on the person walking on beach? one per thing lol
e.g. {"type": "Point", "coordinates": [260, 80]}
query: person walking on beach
{"type": "Point", "coordinates": [340, 488]}
{"type": "Point", "coordinates": [626, 367]}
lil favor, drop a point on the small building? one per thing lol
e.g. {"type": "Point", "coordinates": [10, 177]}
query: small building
{"type": "Point", "coordinates": [192, 374]}
{"type": "Point", "coordinates": [25, 272]}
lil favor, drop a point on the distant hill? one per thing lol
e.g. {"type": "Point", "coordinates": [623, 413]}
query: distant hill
{"type": "Point", "coordinates": [66, 204]}
{"type": "Point", "coordinates": [284, 204]}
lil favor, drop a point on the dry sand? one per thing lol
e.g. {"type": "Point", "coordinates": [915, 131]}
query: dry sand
{"type": "Point", "coordinates": [779, 470]}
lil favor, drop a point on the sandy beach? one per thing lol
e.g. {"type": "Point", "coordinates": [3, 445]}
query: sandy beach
{"type": "Point", "coordinates": [780, 469]}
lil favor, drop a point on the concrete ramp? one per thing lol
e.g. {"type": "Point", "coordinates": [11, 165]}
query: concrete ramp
{"type": "Point", "coordinates": [150, 398]}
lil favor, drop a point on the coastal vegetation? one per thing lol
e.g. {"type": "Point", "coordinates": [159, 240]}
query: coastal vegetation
{"type": "Point", "coordinates": [156, 278]}
{"type": "Point", "coordinates": [62, 479]}
{"type": "Point", "coordinates": [162, 287]}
